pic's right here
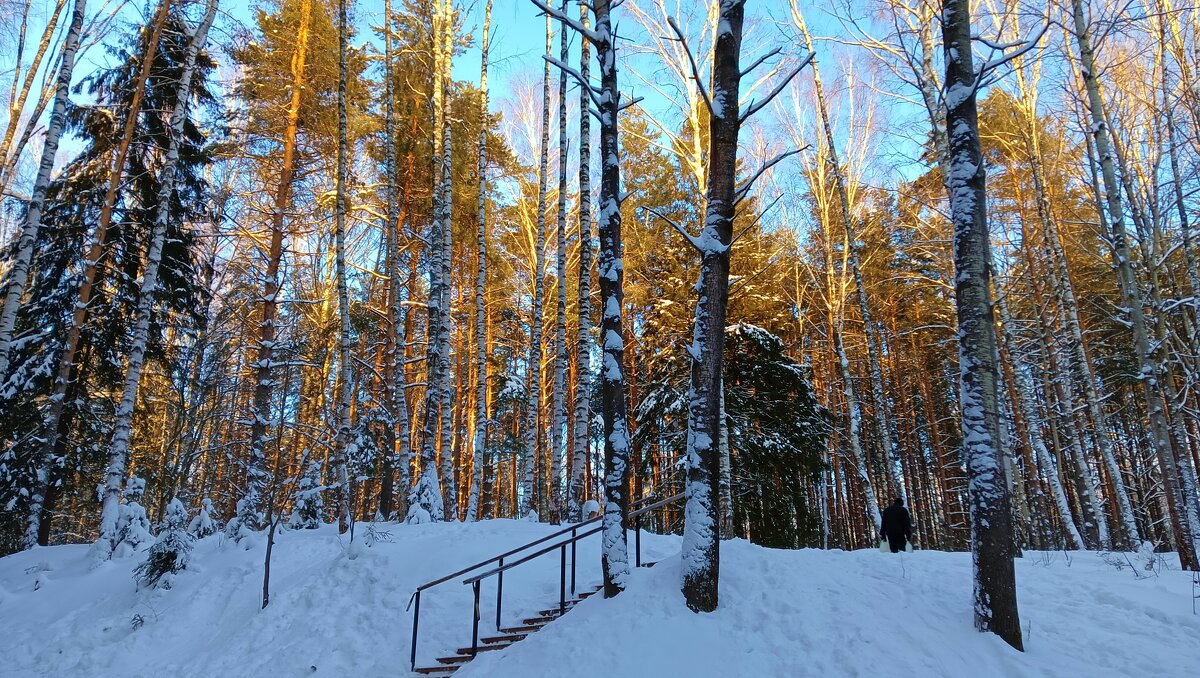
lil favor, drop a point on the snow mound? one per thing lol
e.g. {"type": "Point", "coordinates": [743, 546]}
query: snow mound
{"type": "Point", "coordinates": [863, 613]}
{"type": "Point", "coordinates": [337, 611]}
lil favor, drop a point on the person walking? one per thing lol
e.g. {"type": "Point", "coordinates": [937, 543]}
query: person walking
{"type": "Point", "coordinates": [897, 526]}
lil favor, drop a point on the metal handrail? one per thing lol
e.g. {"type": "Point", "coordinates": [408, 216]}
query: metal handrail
{"type": "Point", "coordinates": [632, 514]}
{"type": "Point", "coordinates": [502, 567]}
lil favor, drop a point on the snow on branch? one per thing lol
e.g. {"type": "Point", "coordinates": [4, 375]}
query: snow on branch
{"type": "Point", "coordinates": [758, 106]}
{"type": "Point", "coordinates": [740, 193]}
{"type": "Point", "coordinates": [558, 15]}
{"type": "Point", "coordinates": [692, 240]}
{"type": "Point", "coordinates": [691, 60]}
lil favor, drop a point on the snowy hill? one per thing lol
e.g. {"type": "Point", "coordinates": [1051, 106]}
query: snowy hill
{"type": "Point", "coordinates": [340, 612]}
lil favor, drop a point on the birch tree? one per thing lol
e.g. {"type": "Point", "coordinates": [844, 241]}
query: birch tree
{"type": "Point", "coordinates": [1149, 372]}
{"type": "Point", "coordinates": [614, 554]}
{"type": "Point", "coordinates": [583, 373]}
{"type": "Point", "coordinates": [18, 274]}
{"type": "Point", "coordinates": [559, 404]}
{"type": "Point", "coordinates": [479, 443]}
{"type": "Point", "coordinates": [342, 440]}
{"type": "Point", "coordinates": [118, 452]}
{"type": "Point", "coordinates": [532, 428]}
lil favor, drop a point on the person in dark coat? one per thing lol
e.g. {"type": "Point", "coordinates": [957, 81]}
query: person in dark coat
{"type": "Point", "coordinates": [897, 526]}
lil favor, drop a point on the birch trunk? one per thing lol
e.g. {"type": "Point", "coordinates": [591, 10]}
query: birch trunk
{"type": "Point", "coordinates": [701, 534]}
{"type": "Point", "coordinates": [855, 434]}
{"type": "Point", "coordinates": [583, 373]}
{"type": "Point", "coordinates": [345, 379]}
{"type": "Point", "coordinates": [559, 402]}
{"type": "Point", "coordinates": [1026, 403]}
{"type": "Point", "coordinates": [445, 393]}
{"type": "Point", "coordinates": [479, 444]}
{"type": "Point", "coordinates": [118, 449]}
{"type": "Point", "coordinates": [532, 429]}
{"type": "Point", "coordinates": [17, 98]}
{"type": "Point", "coordinates": [392, 370]}
{"type": "Point", "coordinates": [18, 275]}
{"type": "Point", "coordinates": [66, 361]}
{"type": "Point", "coordinates": [991, 517]}
{"type": "Point", "coordinates": [428, 497]}
{"type": "Point", "coordinates": [1131, 297]}
{"type": "Point", "coordinates": [879, 401]}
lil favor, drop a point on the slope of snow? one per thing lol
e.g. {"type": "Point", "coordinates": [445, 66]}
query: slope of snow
{"type": "Point", "coordinates": [337, 611]}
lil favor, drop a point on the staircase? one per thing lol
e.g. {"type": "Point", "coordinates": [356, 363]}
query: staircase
{"type": "Point", "coordinates": [495, 567]}
{"type": "Point", "coordinates": [506, 637]}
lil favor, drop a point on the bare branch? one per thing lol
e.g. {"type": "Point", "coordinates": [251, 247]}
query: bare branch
{"type": "Point", "coordinates": [691, 60]}
{"type": "Point", "coordinates": [593, 91]}
{"type": "Point", "coordinates": [692, 240]}
{"type": "Point", "coordinates": [591, 36]}
{"type": "Point", "coordinates": [740, 194]}
{"type": "Point", "coordinates": [756, 107]}
{"type": "Point", "coordinates": [760, 61]}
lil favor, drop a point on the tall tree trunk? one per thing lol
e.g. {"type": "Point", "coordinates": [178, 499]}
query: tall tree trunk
{"type": "Point", "coordinates": [391, 233]}
{"type": "Point", "coordinates": [18, 275]}
{"type": "Point", "coordinates": [701, 534]}
{"type": "Point", "coordinates": [428, 495]}
{"type": "Point", "coordinates": [1131, 297]}
{"type": "Point", "coordinates": [991, 517]}
{"type": "Point", "coordinates": [345, 495]}
{"type": "Point", "coordinates": [445, 393]}
{"type": "Point", "coordinates": [479, 444]}
{"type": "Point", "coordinates": [583, 373]}
{"type": "Point", "coordinates": [118, 449]}
{"type": "Point", "coordinates": [611, 269]}
{"type": "Point", "coordinates": [532, 429]}
{"type": "Point", "coordinates": [559, 402]}
{"type": "Point", "coordinates": [879, 401]}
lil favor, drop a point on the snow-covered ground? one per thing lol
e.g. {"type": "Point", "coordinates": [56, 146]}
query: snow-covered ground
{"type": "Point", "coordinates": [783, 613]}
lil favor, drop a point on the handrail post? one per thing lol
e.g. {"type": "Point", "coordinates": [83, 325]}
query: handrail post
{"type": "Point", "coordinates": [499, 593]}
{"type": "Point", "coordinates": [562, 581]}
{"type": "Point", "coordinates": [412, 657]}
{"type": "Point", "coordinates": [475, 622]}
{"type": "Point", "coordinates": [637, 538]}
{"type": "Point", "coordinates": [573, 542]}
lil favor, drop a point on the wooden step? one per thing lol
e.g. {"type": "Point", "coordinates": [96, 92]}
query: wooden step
{"type": "Point", "coordinates": [436, 670]}
{"type": "Point", "coordinates": [525, 629]}
{"type": "Point", "coordinates": [542, 620]}
{"type": "Point", "coordinates": [507, 639]}
{"type": "Point", "coordinates": [554, 611]}
{"type": "Point", "coordinates": [456, 659]}
{"type": "Point", "coordinates": [484, 648]}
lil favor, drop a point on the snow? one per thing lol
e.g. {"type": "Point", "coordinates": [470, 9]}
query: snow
{"type": "Point", "coordinates": [782, 613]}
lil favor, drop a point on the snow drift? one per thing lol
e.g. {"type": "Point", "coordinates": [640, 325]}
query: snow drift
{"type": "Point", "coordinates": [337, 611]}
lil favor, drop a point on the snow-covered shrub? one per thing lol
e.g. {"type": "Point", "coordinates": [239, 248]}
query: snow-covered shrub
{"type": "Point", "coordinates": [245, 519]}
{"type": "Point", "coordinates": [306, 512]}
{"type": "Point", "coordinates": [171, 551]}
{"type": "Point", "coordinates": [203, 525]}
{"type": "Point", "coordinates": [425, 502]}
{"type": "Point", "coordinates": [133, 525]}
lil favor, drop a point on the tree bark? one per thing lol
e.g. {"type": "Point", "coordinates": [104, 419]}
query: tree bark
{"type": "Point", "coordinates": [992, 543]}
{"type": "Point", "coordinates": [583, 373]}
{"type": "Point", "coordinates": [479, 443]}
{"type": "Point", "coordinates": [701, 534]}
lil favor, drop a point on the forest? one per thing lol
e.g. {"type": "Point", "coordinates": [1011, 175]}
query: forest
{"type": "Point", "coordinates": [291, 262]}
